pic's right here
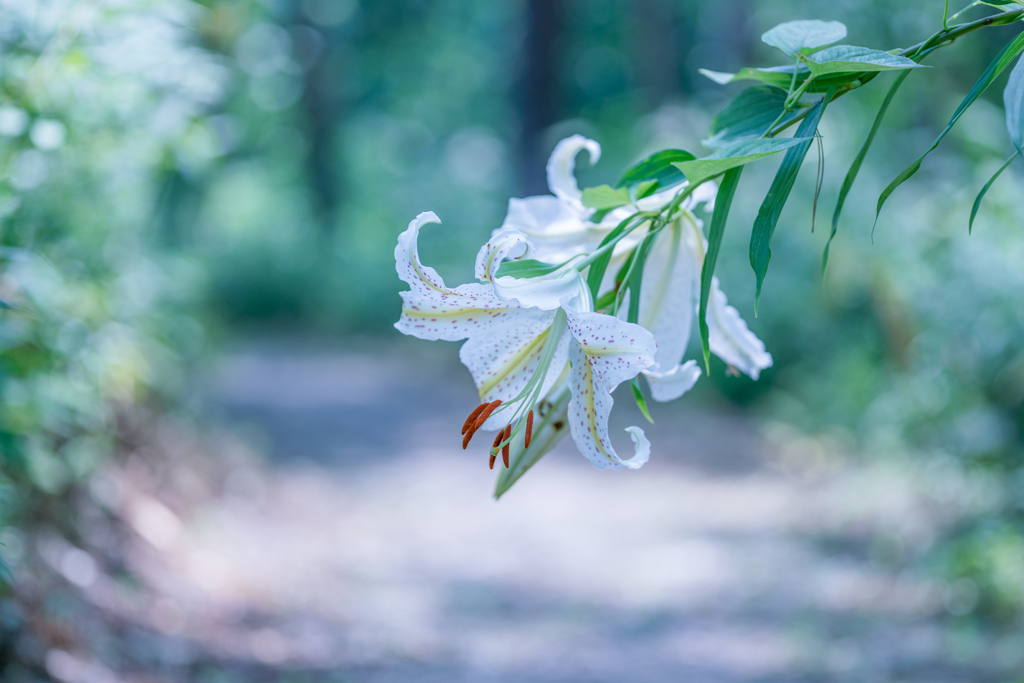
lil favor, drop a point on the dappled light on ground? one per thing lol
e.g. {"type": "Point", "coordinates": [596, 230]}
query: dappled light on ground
{"type": "Point", "coordinates": [365, 546]}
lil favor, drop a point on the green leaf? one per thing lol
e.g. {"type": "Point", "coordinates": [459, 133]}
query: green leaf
{"type": "Point", "coordinates": [644, 189]}
{"type": "Point", "coordinates": [782, 77]}
{"type": "Point", "coordinates": [984, 190]}
{"type": "Point", "coordinates": [748, 116]}
{"type": "Point", "coordinates": [779, 76]}
{"type": "Point", "coordinates": [771, 207]}
{"type": "Point", "coordinates": [1013, 99]}
{"type": "Point", "coordinates": [842, 59]}
{"type": "Point", "coordinates": [641, 402]}
{"type": "Point", "coordinates": [526, 268]}
{"type": "Point", "coordinates": [799, 36]}
{"type": "Point", "coordinates": [851, 175]}
{"type": "Point", "coordinates": [1002, 60]}
{"type": "Point", "coordinates": [726, 192]}
{"type": "Point", "coordinates": [657, 167]}
{"type": "Point", "coordinates": [734, 154]}
{"type": "Point", "coordinates": [605, 197]}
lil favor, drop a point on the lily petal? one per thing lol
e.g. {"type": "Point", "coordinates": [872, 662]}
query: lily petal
{"type": "Point", "coordinates": [668, 386]}
{"type": "Point", "coordinates": [504, 244]}
{"type": "Point", "coordinates": [430, 310]}
{"type": "Point", "coordinates": [556, 230]}
{"type": "Point", "coordinates": [705, 194]}
{"type": "Point", "coordinates": [730, 339]}
{"type": "Point", "coordinates": [604, 353]}
{"type": "Point", "coordinates": [561, 166]}
{"type": "Point", "coordinates": [504, 357]}
{"type": "Point", "coordinates": [545, 292]}
{"type": "Point", "coordinates": [667, 294]}
{"type": "Point", "coordinates": [542, 291]}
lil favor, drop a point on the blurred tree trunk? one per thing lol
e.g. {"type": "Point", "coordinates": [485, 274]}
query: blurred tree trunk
{"type": "Point", "coordinates": [656, 49]}
{"type": "Point", "coordinates": [538, 98]}
{"type": "Point", "coordinates": [322, 108]}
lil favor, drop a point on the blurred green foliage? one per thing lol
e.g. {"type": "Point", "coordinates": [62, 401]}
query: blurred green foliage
{"type": "Point", "coordinates": [252, 162]}
{"type": "Point", "coordinates": [96, 103]}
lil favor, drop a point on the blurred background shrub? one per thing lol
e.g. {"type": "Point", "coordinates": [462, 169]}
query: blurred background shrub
{"type": "Point", "coordinates": [172, 169]}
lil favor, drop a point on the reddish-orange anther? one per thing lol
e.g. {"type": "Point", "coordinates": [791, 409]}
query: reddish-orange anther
{"type": "Point", "coordinates": [480, 419]}
{"type": "Point", "coordinates": [472, 417]}
{"type": "Point", "coordinates": [504, 450]}
{"type": "Point", "coordinates": [494, 448]}
{"type": "Point", "coordinates": [529, 429]}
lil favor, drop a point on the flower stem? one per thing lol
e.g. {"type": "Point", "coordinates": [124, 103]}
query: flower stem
{"type": "Point", "coordinates": [916, 52]}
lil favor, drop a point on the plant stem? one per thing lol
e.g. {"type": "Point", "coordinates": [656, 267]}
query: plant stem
{"type": "Point", "coordinates": [917, 53]}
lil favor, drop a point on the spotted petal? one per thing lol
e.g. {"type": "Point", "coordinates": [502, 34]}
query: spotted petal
{"type": "Point", "coordinates": [430, 310]}
{"type": "Point", "coordinates": [561, 167]}
{"type": "Point", "coordinates": [670, 385]}
{"type": "Point", "coordinates": [541, 291]}
{"type": "Point", "coordinates": [667, 302]}
{"type": "Point", "coordinates": [605, 352]}
{"type": "Point", "coordinates": [504, 244]}
{"type": "Point", "coordinates": [504, 356]}
{"type": "Point", "coordinates": [730, 339]}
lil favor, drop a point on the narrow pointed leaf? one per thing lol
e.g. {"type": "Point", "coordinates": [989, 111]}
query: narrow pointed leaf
{"type": "Point", "coordinates": [595, 273]}
{"type": "Point", "coordinates": [851, 175]}
{"type": "Point", "coordinates": [1002, 60]}
{"type": "Point", "coordinates": [778, 193]}
{"type": "Point", "coordinates": [726, 192]}
{"type": "Point", "coordinates": [645, 189]}
{"type": "Point", "coordinates": [984, 190]}
{"type": "Point", "coordinates": [800, 36]}
{"type": "Point", "coordinates": [842, 59]}
{"type": "Point", "coordinates": [734, 154]}
{"type": "Point", "coordinates": [782, 77]}
{"type": "Point", "coordinates": [1013, 99]}
{"type": "Point", "coordinates": [605, 197]}
{"type": "Point", "coordinates": [779, 76]}
{"type": "Point", "coordinates": [748, 116]}
{"type": "Point", "coordinates": [525, 268]}
{"type": "Point", "coordinates": [657, 167]}
{"type": "Point", "coordinates": [641, 402]}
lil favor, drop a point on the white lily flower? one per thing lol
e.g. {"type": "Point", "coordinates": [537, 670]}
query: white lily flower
{"type": "Point", "coordinates": [559, 226]}
{"type": "Point", "coordinates": [545, 290]}
{"type": "Point", "coordinates": [668, 303]}
{"type": "Point", "coordinates": [521, 356]}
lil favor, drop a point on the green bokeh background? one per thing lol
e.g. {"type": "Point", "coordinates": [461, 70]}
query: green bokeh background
{"type": "Point", "coordinates": [175, 176]}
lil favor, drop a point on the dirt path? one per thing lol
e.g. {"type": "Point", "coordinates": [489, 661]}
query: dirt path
{"type": "Point", "coordinates": [366, 547]}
